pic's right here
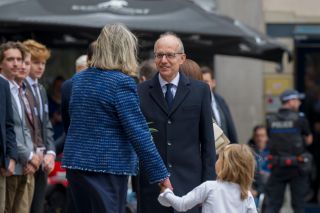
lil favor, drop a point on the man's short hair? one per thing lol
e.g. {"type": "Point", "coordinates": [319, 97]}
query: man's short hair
{"type": "Point", "coordinates": [38, 51]}
{"type": "Point", "coordinates": [181, 47]}
{"type": "Point", "coordinates": [13, 45]}
{"type": "Point", "coordinates": [147, 69]}
{"type": "Point", "coordinates": [206, 69]}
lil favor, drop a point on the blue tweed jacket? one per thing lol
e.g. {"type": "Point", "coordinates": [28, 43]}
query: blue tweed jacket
{"type": "Point", "coordinates": [107, 131]}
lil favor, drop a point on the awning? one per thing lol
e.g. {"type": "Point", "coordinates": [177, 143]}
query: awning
{"type": "Point", "coordinates": [82, 18]}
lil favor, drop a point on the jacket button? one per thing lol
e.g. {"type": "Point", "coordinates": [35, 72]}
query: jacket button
{"type": "Point", "coordinates": [170, 165]}
{"type": "Point", "coordinates": [169, 143]}
{"type": "Point", "coordinates": [169, 121]}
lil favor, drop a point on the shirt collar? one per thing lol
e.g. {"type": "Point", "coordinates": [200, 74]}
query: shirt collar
{"type": "Point", "coordinates": [175, 81]}
{"type": "Point", "coordinates": [13, 84]}
{"type": "Point", "coordinates": [213, 98]}
{"type": "Point", "coordinates": [31, 81]}
{"type": "Point", "coordinates": [2, 76]}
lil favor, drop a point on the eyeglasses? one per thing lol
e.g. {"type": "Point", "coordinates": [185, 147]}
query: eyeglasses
{"type": "Point", "coordinates": [168, 55]}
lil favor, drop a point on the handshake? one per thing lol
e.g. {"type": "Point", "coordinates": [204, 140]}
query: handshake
{"type": "Point", "coordinates": [165, 184]}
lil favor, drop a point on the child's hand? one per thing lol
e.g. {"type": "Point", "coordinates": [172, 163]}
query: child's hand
{"type": "Point", "coordinates": [165, 184]}
{"type": "Point", "coordinates": [254, 193]}
{"type": "Point", "coordinates": [162, 188]}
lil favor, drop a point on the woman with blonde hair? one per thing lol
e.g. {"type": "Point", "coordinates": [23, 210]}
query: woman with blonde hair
{"type": "Point", "coordinates": [107, 132]}
{"type": "Point", "coordinates": [229, 193]}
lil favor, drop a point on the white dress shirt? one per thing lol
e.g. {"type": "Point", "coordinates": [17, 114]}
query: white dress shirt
{"type": "Point", "coordinates": [215, 109]}
{"type": "Point", "coordinates": [215, 197]}
{"type": "Point", "coordinates": [174, 82]}
{"type": "Point", "coordinates": [14, 89]}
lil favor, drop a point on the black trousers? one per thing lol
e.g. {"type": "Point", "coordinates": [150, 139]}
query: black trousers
{"type": "Point", "coordinates": [276, 185]}
{"type": "Point", "coordinates": [40, 187]}
{"type": "Point", "coordinates": [91, 192]}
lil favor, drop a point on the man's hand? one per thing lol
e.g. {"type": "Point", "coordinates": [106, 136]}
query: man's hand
{"type": "Point", "coordinates": [165, 184]}
{"type": "Point", "coordinates": [11, 167]}
{"type": "Point", "coordinates": [29, 169]}
{"type": "Point", "coordinates": [35, 161]}
{"type": "Point", "coordinates": [48, 163]}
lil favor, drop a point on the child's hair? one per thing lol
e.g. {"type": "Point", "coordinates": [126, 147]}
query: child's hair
{"type": "Point", "coordinates": [38, 50]}
{"type": "Point", "coordinates": [237, 166]}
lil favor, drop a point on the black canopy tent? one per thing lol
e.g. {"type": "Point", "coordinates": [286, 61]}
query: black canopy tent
{"type": "Point", "coordinates": [80, 20]}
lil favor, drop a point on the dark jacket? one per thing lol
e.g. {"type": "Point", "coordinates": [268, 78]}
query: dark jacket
{"type": "Point", "coordinates": [8, 145]}
{"type": "Point", "coordinates": [227, 126]}
{"type": "Point", "coordinates": [46, 126]}
{"type": "Point", "coordinates": [184, 138]}
{"type": "Point", "coordinates": [66, 89]}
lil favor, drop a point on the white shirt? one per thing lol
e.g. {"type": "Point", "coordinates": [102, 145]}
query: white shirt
{"type": "Point", "coordinates": [14, 89]}
{"type": "Point", "coordinates": [36, 92]}
{"type": "Point", "coordinates": [175, 83]}
{"type": "Point", "coordinates": [215, 109]}
{"type": "Point", "coordinates": [215, 197]}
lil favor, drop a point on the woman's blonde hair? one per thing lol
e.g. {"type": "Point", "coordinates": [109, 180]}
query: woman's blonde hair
{"type": "Point", "coordinates": [237, 166]}
{"type": "Point", "coordinates": [116, 48]}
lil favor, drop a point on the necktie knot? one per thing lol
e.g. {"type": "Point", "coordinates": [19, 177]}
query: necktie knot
{"type": "Point", "coordinates": [35, 85]}
{"type": "Point", "coordinates": [20, 91]}
{"type": "Point", "coordinates": [169, 86]}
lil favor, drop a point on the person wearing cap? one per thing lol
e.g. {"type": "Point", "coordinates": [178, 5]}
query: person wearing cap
{"type": "Point", "coordinates": [289, 134]}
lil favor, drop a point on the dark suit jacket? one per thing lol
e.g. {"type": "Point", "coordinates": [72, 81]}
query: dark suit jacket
{"type": "Point", "coordinates": [184, 138]}
{"type": "Point", "coordinates": [8, 144]}
{"type": "Point", "coordinates": [228, 126]}
{"type": "Point", "coordinates": [46, 126]}
{"type": "Point", "coordinates": [66, 89]}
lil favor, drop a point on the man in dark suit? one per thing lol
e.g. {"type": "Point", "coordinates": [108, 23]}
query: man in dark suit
{"type": "Point", "coordinates": [8, 145]}
{"type": "Point", "coordinates": [179, 109]}
{"type": "Point", "coordinates": [220, 108]}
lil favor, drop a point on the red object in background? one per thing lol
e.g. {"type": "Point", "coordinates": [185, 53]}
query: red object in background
{"type": "Point", "coordinates": [270, 100]}
{"type": "Point", "coordinates": [288, 162]}
{"type": "Point", "coordinates": [58, 174]}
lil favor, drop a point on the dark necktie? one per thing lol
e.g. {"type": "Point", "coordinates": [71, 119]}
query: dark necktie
{"type": "Point", "coordinates": [26, 104]}
{"type": "Point", "coordinates": [36, 95]}
{"type": "Point", "coordinates": [169, 95]}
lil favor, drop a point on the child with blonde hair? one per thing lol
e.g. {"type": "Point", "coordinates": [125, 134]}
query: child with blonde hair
{"type": "Point", "coordinates": [229, 193]}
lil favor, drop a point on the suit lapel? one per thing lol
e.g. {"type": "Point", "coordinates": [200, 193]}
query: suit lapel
{"type": "Point", "coordinates": [157, 94]}
{"type": "Point", "coordinates": [44, 102]}
{"type": "Point", "coordinates": [33, 109]}
{"type": "Point", "coordinates": [16, 110]}
{"type": "Point", "coordinates": [15, 106]}
{"type": "Point", "coordinates": [182, 92]}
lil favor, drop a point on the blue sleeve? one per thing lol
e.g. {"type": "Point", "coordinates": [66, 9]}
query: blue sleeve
{"type": "Point", "coordinates": [137, 131]}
